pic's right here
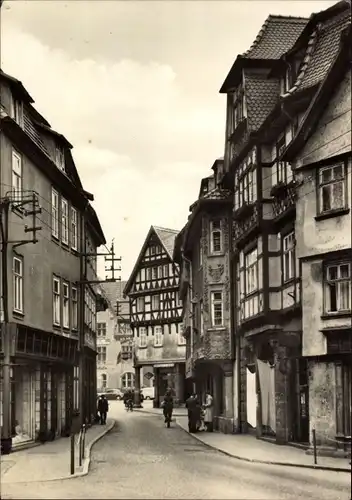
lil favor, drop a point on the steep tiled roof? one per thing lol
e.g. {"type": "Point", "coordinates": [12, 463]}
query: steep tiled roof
{"type": "Point", "coordinates": [217, 194]}
{"type": "Point", "coordinates": [167, 238]}
{"type": "Point", "coordinates": [261, 97]}
{"type": "Point", "coordinates": [277, 35]}
{"type": "Point", "coordinates": [113, 291]}
{"type": "Point", "coordinates": [321, 51]}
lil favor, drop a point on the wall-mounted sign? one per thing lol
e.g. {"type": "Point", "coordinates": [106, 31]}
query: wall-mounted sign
{"type": "Point", "coordinates": [165, 365]}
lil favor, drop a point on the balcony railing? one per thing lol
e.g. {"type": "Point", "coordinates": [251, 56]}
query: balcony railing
{"type": "Point", "coordinates": [284, 197]}
{"type": "Point", "coordinates": [245, 218]}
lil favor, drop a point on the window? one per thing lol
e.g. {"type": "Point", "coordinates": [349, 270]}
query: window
{"type": "Point", "coordinates": [338, 288]}
{"type": "Point", "coordinates": [101, 329]}
{"type": "Point", "coordinates": [17, 112]}
{"type": "Point", "coordinates": [251, 261]}
{"type": "Point", "coordinates": [64, 221]}
{"type": "Point", "coordinates": [166, 271]}
{"type": "Point", "coordinates": [238, 114]}
{"type": "Point", "coordinates": [332, 188]}
{"type": "Point", "coordinates": [281, 167]}
{"type": "Point", "coordinates": [142, 337]}
{"type": "Point", "coordinates": [158, 336]}
{"type": "Point", "coordinates": [152, 250]}
{"type": "Point", "coordinates": [160, 272]}
{"type": "Point", "coordinates": [16, 176]}
{"type": "Point", "coordinates": [149, 273]}
{"type": "Point", "coordinates": [56, 301]}
{"type": "Point", "coordinates": [103, 383]}
{"type": "Point", "coordinates": [65, 305]}
{"type": "Point", "coordinates": [155, 302]}
{"type": "Point", "coordinates": [74, 309]}
{"type": "Point", "coordinates": [60, 158]}
{"type": "Point", "coordinates": [127, 380]}
{"type": "Point", "coordinates": [140, 304]}
{"type": "Point", "coordinates": [215, 236]}
{"type": "Point", "coordinates": [101, 350]}
{"type": "Point", "coordinates": [54, 213]}
{"type": "Point", "coordinates": [289, 260]}
{"type": "Point", "coordinates": [154, 273]}
{"type": "Point", "coordinates": [216, 309]}
{"type": "Point", "coordinates": [74, 228]}
{"type": "Point", "coordinates": [18, 284]}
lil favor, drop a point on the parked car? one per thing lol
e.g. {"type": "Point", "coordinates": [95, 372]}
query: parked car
{"type": "Point", "coordinates": [148, 392]}
{"type": "Point", "coordinates": [112, 394]}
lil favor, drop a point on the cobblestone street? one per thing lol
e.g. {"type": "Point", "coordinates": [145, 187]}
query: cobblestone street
{"type": "Point", "coordinates": [140, 458]}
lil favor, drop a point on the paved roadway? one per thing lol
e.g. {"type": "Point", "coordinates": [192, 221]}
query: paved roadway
{"type": "Point", "coordinates": [141, 458]}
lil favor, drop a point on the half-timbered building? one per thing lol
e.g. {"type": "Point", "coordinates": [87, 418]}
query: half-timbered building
{"type": "Point", "coordinates": [252, 93]}
{"type": "Point", "coordinates": [321, 156]}
{"type": "Point", "coordinates": [156, 314]}
{"type": "Point", "coordinates": [203, 250]}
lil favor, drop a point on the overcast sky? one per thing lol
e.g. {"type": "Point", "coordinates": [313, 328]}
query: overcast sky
{"type": "Point", "coordinates": [134, 87]}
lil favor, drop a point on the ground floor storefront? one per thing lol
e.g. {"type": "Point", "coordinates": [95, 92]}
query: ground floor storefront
{"type": "Point", "coordinates": [216, 378]}
{"type": "Point", "coordinates": [273, 388]}
{"type": "Point", "coordinates": [89, 381]}
{"type": "Point", "coordinates": [165, 375]}
{"type": "Point", "coordinates": [40, 394]}
{"type": "Point", "coordinates": [330, 402]}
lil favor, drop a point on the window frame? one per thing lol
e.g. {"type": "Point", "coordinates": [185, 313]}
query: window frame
{"type": "Point", "coordinates": [212, 232]}
{"type": "Point", "coordinates": [338, 281]}
{"type": "Point", "coordinates": [248, 266]}
{"type": "Point", "coordinates": [58, 300]}
{"type": "Point", "coordinates": [55, 213]}
{"type": "Point", "coordinates": [64, 221]}
{"type": "Point", "coordinates": [280, 166]}
{"type": "Point", "coordinates": [17, 193]}
{"type": "Point", "coordinates": [65, 305]}
{"type": "Point", "coordinates": [17, 111]}
{"type": "Point", "coordinates": [158, 340]}
{"type": "Point", "coordinates": [140, 300]}
{"type": "Point", "coordinates": [320, 185]}
{"type": "Point", "coordinates": [60, 158]}
{"type": "Point", "coordinates": [213, 303]}
{"type": "Point", "coordinates": [74, 229]}
{"type": "Point", "coordinates": [101, 330]}
{"type": "Point", "coordinates": [74, 308]}
{"type": "Point", "coordinates": [291, 252]}
{"type": "Point", "coordinates": [154, 297]}
{"type": "Point", "coordinates": [127, 377]}
{"type": "Point", "coordinates": [101, 354]}
{"type": "Point", "coordinates": [143, 334]}
{"type": "Point", "coordinates": [18, 282]}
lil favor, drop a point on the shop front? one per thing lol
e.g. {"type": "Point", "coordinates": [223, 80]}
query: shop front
{"type": "Point", "coordinates": [169, 376]}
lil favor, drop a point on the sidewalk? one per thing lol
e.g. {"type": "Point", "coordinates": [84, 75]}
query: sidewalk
{"type": "Point", "coordinates": [50, 461]}
{"type": "Point", "coordinates": [248, 448]}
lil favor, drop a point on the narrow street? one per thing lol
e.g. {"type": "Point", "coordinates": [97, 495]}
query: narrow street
{"type": "Point", "coordinates": [140, 458]}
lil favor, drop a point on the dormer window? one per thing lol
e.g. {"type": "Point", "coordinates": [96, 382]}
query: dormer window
{"type": "Point", "coordinates": [60, 158]}
{"type": "Point", "coordinates": [238, 112]}
{"type": "Point", "coordinates": [17, 111]}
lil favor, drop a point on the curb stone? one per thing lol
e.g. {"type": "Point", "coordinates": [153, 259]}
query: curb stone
{"type": "Point", "coordinates": [257, 461]}
{"type": "Point", "coordinates": [86, 462]}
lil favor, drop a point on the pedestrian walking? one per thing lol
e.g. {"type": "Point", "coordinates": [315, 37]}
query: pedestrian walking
{"type": "Point", "coordinates": [209, 411]}
{"type": "Point", "coordinates": [103, 408]}
{"type": "Point", "coordinates": [168, 406]}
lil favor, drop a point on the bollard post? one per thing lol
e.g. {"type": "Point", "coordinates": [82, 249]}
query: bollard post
{"type": "Point", "coordinates": [84, 441]}
{"type": "Point", "coordinates": [80, 448]}
{"type": "Point", "coordinates": [314, 446]}
{"type": "Point", "coordinates": [72, 453]}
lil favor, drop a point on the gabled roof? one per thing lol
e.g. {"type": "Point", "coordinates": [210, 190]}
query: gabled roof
{"type": "Point", "coordinates": [17, 85]}
{"type": "Point", "coordinates": [336, 72]}
{"type": "Point", "coordinates": [113, 292]}
{"type": "Point", "coordinates": [277, 35]}
{"type": "Point", "coordinates": [57, 135]}
{"type": "Point", "coordinates": [166, 238]}
{"type": "Point", "coordinates": [261, 97]}
{"type": "Point", "coordinates": [322, 48]}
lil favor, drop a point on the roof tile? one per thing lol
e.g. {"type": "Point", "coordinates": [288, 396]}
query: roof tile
{"type": "Point", "coordinates": [277, 35]}
{"type": "Point", "coordinates": [167, 238]}
{"type": "Point", "coordinates": [261, 97]}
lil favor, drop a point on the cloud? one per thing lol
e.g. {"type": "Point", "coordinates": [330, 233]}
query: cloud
{"type": "Point", "coordinates": [137, 142]}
